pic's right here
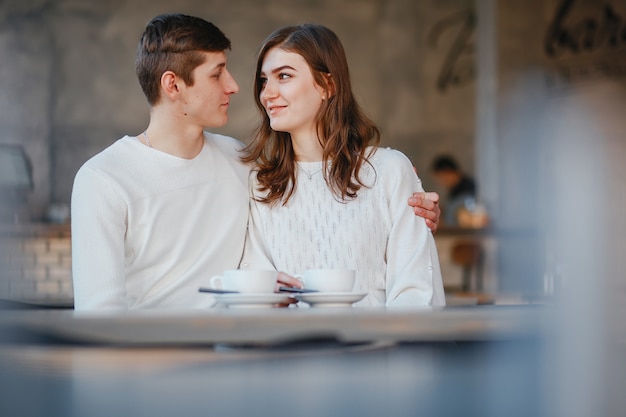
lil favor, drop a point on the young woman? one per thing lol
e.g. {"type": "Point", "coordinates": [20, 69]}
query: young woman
{"type": "Point", "coordinates": [323, 194]}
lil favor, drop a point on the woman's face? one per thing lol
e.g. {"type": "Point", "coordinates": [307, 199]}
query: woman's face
{"type": "Point", "coordinates": [289, 94]}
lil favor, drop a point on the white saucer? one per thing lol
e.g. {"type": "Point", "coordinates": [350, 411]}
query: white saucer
{"type": "Point", "coordinates": [251, 300]}
{"type": "Point", "coordinates": [330, 299]}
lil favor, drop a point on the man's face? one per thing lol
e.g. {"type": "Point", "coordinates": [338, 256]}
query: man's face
{"type": "Point", "coordinates": [206, 102]}
{"type": "Point", "coordinates": [446, 178]}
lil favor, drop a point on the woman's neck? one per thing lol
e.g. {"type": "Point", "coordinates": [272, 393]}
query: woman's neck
{"type": "Point", "coordinates": [307, 148]}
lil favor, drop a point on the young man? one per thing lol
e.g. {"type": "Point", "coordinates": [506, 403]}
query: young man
{"type": "Point", "coordinates": [459, 185]}
{"type": "Point", "coordinates": [154, 216]}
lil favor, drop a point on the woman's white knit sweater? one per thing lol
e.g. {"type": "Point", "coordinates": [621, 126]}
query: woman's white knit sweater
{"type": "Point", "coordinates": [377, 234]}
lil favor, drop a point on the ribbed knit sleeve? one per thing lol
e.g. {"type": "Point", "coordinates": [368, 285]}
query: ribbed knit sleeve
{"type": "Point", "coordinates": [413, 274]}
{"type": "Point", "coordinates": [256, 251]}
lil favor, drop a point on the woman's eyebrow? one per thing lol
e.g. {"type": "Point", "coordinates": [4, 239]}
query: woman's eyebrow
{"type": "Point", "coordinates": [283, 68]}
{"type": "Point", "coordinates": [279, 69]}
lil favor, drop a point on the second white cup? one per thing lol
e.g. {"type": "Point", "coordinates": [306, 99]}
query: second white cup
{"type": "Point", "coordinates": [245, 281]}
{"type": "Point", "coordinates": [328, 280]}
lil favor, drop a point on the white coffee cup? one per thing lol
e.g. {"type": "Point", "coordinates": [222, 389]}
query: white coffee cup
{"type": "Point", "coordinates": [328, 280]}
{"type": "Point", "coordinates": [245, 281]}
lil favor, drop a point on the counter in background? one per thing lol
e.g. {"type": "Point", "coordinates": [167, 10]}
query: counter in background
{"type": "Point", "coordinates": [447, 238]}
{"type": "Point", "coordinates": [36, 263]}
{"type": "Point", "coordinates": [513, 261]}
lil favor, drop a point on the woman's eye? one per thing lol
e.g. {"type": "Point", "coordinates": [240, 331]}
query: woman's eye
{"type": "Point", "coordinates": [283, 76]}
{"type": "Point", "coordinates": [262, 81]}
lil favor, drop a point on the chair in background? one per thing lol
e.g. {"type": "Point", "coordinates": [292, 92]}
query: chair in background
{"type": "Point", "coordinates": [470, 256]}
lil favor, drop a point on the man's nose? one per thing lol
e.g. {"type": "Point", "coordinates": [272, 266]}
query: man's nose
{"type": "Point", "coordinates": [231, 85]}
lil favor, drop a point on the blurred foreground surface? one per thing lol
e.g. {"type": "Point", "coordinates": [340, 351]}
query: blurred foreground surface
{"type": "Point", "coordinates": [475, 361]}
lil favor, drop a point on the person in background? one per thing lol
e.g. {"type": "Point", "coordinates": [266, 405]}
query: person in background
{"type": "Point", "coordinates": [460, 186]}
{"type": "Point", "coordinates": [323, 194]}
{"type": "Point", "coordinates": [155, 215]}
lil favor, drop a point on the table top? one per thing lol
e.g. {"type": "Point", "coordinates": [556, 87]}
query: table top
{"type": "Point", "coordinates": [265, 326]}
{"type": "Point", "coordinates": [269, 362]}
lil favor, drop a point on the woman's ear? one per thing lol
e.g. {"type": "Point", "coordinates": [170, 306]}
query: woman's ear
{"type": "Point", "coordinates": [330, 89]}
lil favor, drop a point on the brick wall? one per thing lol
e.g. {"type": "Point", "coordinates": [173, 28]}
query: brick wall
{"type": "Point", "coordinates": [36, 264]}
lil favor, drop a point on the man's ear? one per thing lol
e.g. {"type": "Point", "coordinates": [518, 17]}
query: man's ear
{"type": "Point", "coordinates": [169, 84]}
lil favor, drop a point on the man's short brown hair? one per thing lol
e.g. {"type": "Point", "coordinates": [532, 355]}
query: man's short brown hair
{"type": "Point", "coordinates": [174, 42]}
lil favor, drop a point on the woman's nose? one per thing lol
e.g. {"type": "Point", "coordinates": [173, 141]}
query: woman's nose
{"type": "Point", "coordinates": [268, 91]}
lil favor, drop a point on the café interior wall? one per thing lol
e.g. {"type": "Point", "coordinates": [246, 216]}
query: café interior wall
{"type": "Point", "coordinates": [68, 87]}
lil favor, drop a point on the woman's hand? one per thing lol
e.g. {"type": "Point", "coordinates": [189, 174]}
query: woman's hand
{"type": "Point", "coordinates": [286, 280]}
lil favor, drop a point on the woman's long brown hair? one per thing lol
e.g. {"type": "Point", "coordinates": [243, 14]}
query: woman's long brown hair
{"type": "Point", "coordinates": [343, 129]}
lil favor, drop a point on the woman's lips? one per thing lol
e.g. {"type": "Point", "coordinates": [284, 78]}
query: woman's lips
{"type": "Point", "coordinates": [273, 110]}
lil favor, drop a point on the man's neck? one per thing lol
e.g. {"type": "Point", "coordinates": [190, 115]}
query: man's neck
{"type": "Point", "coordinates": [172, 137]}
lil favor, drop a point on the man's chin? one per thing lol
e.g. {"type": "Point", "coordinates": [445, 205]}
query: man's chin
{"type": "Point", "coordinates": [217, 123]}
